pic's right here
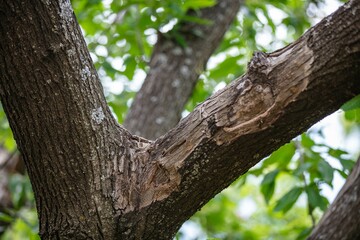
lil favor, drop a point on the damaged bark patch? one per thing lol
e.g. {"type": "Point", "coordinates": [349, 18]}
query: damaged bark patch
{"type": "Point", "coordinates": [267, 91]}
{"type": "Point", "coordinates": [211, 122]}
{"type": "Point", "coordinates": [246, 106]}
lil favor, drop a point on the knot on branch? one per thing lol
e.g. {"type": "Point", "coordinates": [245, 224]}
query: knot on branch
{"type": "Point", "coordinates": [258, 66]}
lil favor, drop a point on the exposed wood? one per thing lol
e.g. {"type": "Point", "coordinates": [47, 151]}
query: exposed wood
{"type": "Point", "coordinates": [174, 71]}
{"type": "Point", "coordinates": [282, 95]}
{"type": "Point", "coordinates": [93, 179]}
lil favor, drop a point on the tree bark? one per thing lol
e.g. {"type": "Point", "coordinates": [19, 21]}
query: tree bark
{"type": "Point", "coordinates": [55, 106]}
{"type": "Point", "coordinates": [93, 179]}
{"type": "Point", "coordinates": [174, 71]}
{"type": "Point", "coordinates": [341, 220]}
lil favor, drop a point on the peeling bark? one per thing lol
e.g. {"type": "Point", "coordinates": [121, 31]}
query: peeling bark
{"type": "Point", "coordinates": [94, 180]}
{"type": "Point", "coordinates": [174, 71]}
{"type": "Point", "coordinates": [281, 96]}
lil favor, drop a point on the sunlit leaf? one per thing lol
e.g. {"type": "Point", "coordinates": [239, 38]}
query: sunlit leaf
{"type": "Point", "coordinates": [229, 65]}
{"type": "Point", "coordinates": [353, 115]}
{"type": "Point", "coordinates": [198, 3]}
{"type": "Point", "coordinates": [306, 141]}
{"type": "Point", "coordinates": [282, 156]}
{"type": "Point", "coordinates": [352, 104]}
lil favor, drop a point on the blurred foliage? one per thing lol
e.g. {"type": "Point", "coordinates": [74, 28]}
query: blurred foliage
{"type": "Point", "coordinates": [290, 199]}
{"type": "Point", "coordinates": [352, 110]}
{"type": "Point", "coordinates": [6, 136]}
{"type": "Point", "coordinates": [20, 221]}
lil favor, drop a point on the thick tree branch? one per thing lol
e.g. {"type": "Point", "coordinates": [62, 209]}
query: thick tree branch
{"type": "Point", "coordinates": [341, 220]}
{"type": "Point", "coordinates": [282, 94]}
{"type": "Point", "coordinates": [174, 71]}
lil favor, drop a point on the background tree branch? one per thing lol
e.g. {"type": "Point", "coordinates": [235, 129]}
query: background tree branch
{"type": "Point", "coordinates": [175, 69]}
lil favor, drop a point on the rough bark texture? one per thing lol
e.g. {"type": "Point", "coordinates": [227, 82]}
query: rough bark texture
{"type": "Point", "coordinates": [282, 94]}
{"type": "Point", "coordinates": [94, 180]}
{"type": "Point", "coordinates": [62, 125]}
{"type": "Point", "coordinates": [174, 71]}
{"type": "Point", "coordinates": [341, 221]}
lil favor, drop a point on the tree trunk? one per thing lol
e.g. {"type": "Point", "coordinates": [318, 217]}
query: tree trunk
{"type": "Point", "coordinates": [174, 71]}
{"type": "Point", "coordinates": [93, 179]}
{"type": "Point", "coordinates": [58, 114]}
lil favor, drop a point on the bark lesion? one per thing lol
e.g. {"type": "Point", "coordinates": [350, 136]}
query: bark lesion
{"type": "Point", "coordinates": [140, 179]}
{"type": "Point", "coordinates": [129, 163]}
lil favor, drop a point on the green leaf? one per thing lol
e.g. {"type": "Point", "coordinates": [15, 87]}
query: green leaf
{"type": "Point", "coordinates": [195, 4]}
{"type": "Point", "coordinates": [110, 71]}
{"type": "Point", "coordinates": [337, 153]}
{"type": "Point", "coordinates": [326, 171]}
{"type": "Point", "coordinates": [282, 156]}
{"type": "Point", "coordinates": [288, 200]}
{"type": "Point", "coordinates": [314, 197]}
{"type": "Point", "coordinates": [347, 164]}
{"type": "Point", "coordinates": [197, 20]}
{"type": "Point", "coordinates": [342, 173]}
{"type": "Point", "coordinates": [19, 186]}
{"type": "Point", "coordinates": [268, 185]}
{"type": "Point", "coordinates": [302, 168]}
{"type": "Point", "coordinates": [352, 104]}
{"type": "Point", "coordinates": [306, 141]}
{"type": "Point", "coordinates": [130, 64]}
{"type": "Point", "coordinates": [5, 218]}
{"type": "Point", "coordinates": [22, 230]}
{"type": "Point", "coordinates": [304, 233]}
{"type": "Point", "coordinates": [353, 115]}
{"type": "Point", "coordinates": [179, 39]}
{"type": "Point", "coordinates": [35, 237]}
{"type": "Point", "coordinates": [228, 66]}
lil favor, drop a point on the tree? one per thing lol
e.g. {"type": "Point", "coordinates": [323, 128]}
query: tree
{"type": "Point", "coordinates": [94, 179]}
